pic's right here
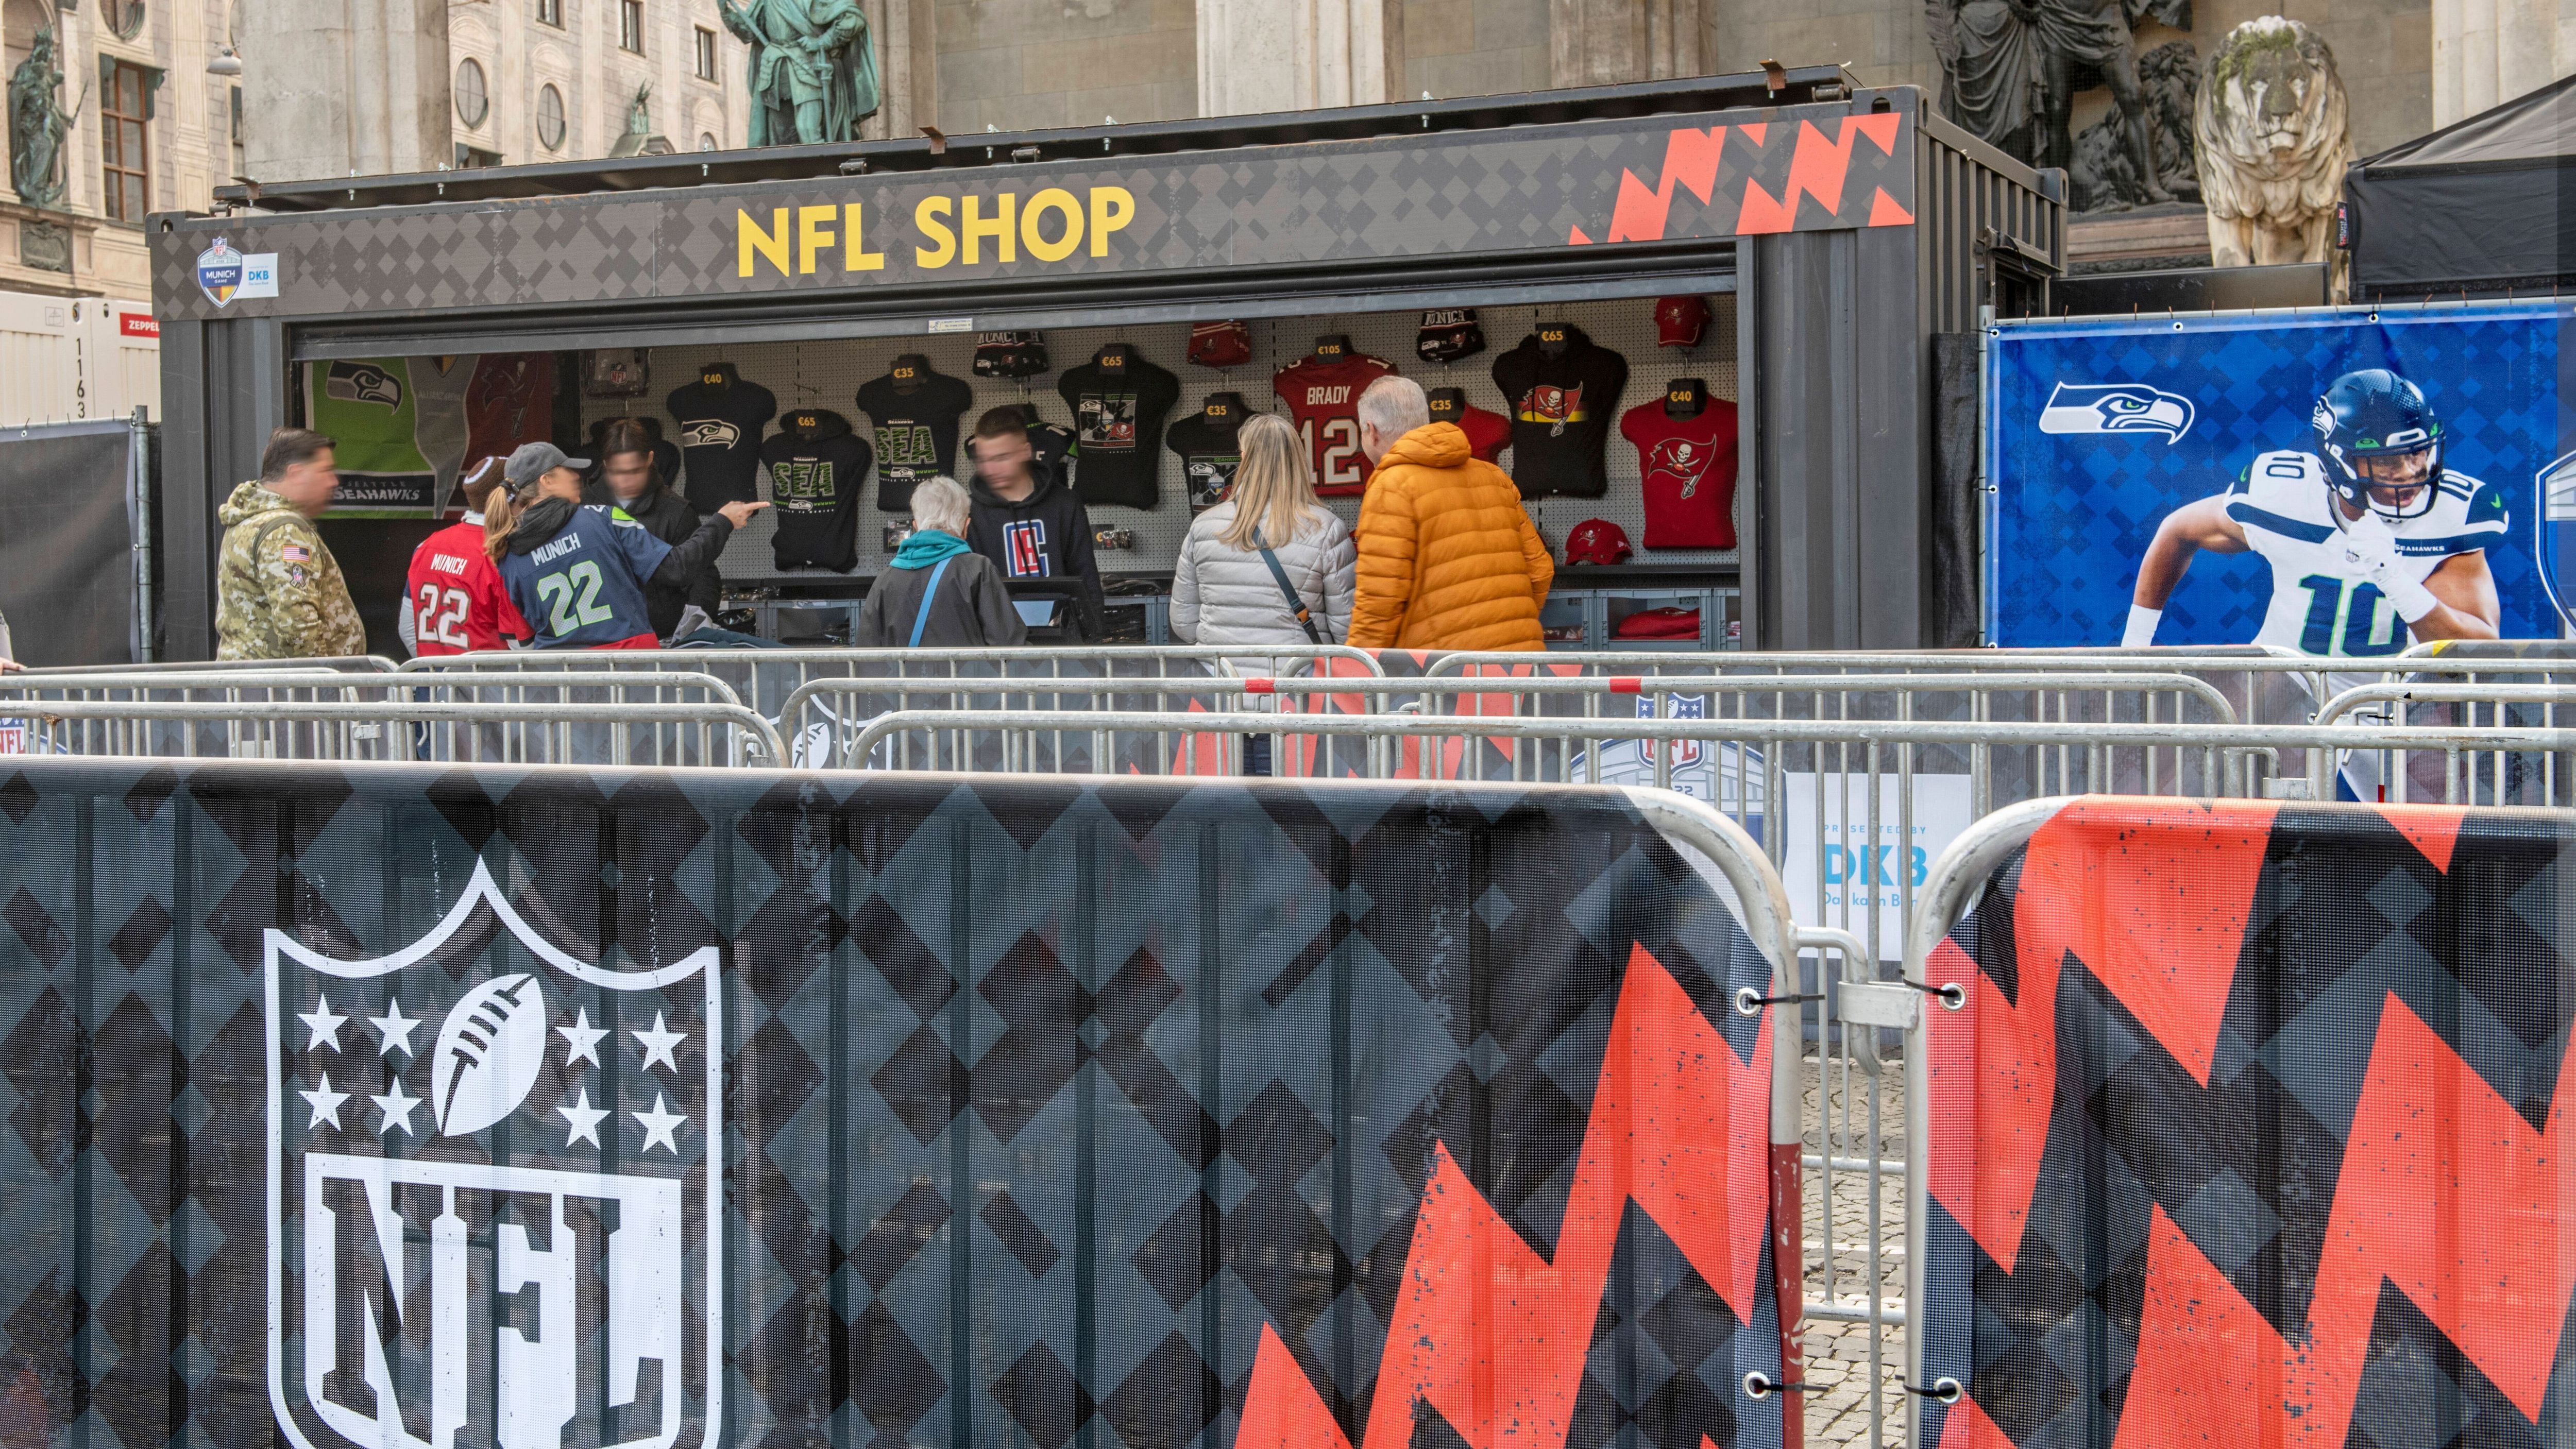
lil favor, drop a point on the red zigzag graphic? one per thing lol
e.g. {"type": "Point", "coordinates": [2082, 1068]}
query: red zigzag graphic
{"type": "Point", "coordinates": [2445, 1190]}
{"type": "Point", "coordinates": [1494, 1335]}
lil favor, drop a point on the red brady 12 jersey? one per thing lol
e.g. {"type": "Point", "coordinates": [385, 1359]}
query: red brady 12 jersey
{"type": "Point", "coordinates": [455, 596]}
{"type": "Point", "coordinates": [1323, 400]}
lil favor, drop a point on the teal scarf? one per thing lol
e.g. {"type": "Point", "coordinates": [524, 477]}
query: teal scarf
{"type": "Point", "coordinates": [928, 547]}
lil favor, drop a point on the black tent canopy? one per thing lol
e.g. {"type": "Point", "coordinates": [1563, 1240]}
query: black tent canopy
{"type": "Point", "coordinates": [2484, 205]}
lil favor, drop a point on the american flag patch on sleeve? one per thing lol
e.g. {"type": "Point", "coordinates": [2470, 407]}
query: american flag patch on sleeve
{"type": "Point", "coordinates": [296, 553]}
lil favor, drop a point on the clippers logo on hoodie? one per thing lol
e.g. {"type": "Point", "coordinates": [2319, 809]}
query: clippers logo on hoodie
{"type": "Point", "coordinates": [1024, 548]}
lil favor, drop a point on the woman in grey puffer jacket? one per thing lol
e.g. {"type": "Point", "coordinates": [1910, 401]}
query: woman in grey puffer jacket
{"type": "Point", "coordinates": [1224, 591]}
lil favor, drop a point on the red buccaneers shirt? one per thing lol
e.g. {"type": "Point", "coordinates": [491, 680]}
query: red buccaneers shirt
{"type": "Point", "coordinates": [455, 595]}
{"type": "Point", "coordinates": [1323, 400]}
{"type": "Point", "coordinates": [1687, 468]}
{"type": "Point", "coordinates": [1488, 433]}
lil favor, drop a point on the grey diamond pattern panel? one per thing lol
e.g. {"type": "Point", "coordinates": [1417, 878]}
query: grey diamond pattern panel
{"type": "Point", "coordinates": [1461, 195]}
{"type": "Point", "coordinates": [1044, 1103]}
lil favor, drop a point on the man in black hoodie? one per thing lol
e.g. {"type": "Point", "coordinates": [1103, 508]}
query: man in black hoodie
{"type": "Point", "coordinates": [630, 478]}
{"type": "Point", "coordinates": [1027, 522]}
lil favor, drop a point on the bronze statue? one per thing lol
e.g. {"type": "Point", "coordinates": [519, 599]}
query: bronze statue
{"type": "Point", "coordinates": [2010, 68]}
{"type": "Point", "coordinates": [38, 125]}
{"type": "Point", "coordinates": [813, 68]}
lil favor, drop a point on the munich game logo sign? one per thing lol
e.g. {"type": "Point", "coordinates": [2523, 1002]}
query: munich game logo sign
{"type": "Point", "coordinates": [491, 1183]}
{"type": "Point", "coordinates": [219, 271]}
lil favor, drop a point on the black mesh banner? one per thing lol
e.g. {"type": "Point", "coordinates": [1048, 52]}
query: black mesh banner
{"type": "Point", "coordinates": [2255, 1130]}
{"type": "Point", "coordinates": [383, 1107]}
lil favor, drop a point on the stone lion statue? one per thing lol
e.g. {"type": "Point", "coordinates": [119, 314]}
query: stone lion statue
{"type": "Point", "coordinates": [2273, 142]}
{"type": "Point", "coordinates": [2106, 174]}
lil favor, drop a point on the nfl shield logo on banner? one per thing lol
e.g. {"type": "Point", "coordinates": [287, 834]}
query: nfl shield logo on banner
{"type": "Point", "coordinates": [492, 1174]}
{"type": "Point", "coordinates": [219, 271]}
{"type": "Point", "coordinates": [2555, 494]}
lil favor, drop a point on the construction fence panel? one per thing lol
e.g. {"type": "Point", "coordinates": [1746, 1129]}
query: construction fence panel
{"type": "Point", "coordinates": [356, 1105]}
{"type": "Point", "coordinates": [2250, 1127]}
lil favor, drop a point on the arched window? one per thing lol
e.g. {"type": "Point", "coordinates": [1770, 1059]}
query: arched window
{"type": "Point", "coordinates": [706, 140]}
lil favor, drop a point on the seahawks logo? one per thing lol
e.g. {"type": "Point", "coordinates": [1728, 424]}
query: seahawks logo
{"type": "Point", "coordinates": [711, 433]}
{"type": "Point", "coordinates": [362, 382]}
{"type": "Point", "coordinates": [2126, 407]}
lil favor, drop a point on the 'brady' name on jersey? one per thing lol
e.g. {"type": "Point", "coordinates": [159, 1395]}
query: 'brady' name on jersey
{"type": "Point", "coordinates": [2320, 604]}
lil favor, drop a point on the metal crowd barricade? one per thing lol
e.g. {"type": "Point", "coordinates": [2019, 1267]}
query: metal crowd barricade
{"type": "Point", "coordinates": [562, 717]}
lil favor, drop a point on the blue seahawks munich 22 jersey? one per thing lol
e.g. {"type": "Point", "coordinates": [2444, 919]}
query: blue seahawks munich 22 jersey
{"type": "Point", "coordinates": [583, 587]}
{"type": "Point", "coordinates": [2319, 604]}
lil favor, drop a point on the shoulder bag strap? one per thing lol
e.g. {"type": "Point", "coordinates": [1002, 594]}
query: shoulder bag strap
{"type": "Point", "coordinates": [921, 620]}
{"type": "Point", "coordinates": [1287, 590]}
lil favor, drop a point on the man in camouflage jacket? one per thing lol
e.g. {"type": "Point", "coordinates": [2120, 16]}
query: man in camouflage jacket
{"type": "Point", "coordinates": [278, 591]}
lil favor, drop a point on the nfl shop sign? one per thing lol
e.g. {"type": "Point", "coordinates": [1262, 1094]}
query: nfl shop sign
{"type": "Point", "coordinates": [1051, 225]}
{"type": "Point", "coordinates": [490, 1188]}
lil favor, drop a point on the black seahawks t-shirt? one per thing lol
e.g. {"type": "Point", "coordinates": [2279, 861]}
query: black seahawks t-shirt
{"type": "Point", "coordinates": [816, 466]}
{"type": "Point", "coordinates": [1209, 456]}
{"type": "Point", "coordinates": [720, 438]}
{"type": "Point", "coordinates": [916, 431]}
{"type": "Point", "coordinates": [1118, 420]}
{"type": "Point", "coordinates": [1561, 411]}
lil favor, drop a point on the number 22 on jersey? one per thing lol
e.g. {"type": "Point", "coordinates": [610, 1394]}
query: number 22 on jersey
{"type": "Point", "coordinates": [572, 598]}
{"type": "Point", "coordinates": [441, 616]}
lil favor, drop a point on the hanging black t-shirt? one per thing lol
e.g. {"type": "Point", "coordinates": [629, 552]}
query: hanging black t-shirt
{"type": "Point", "coordinates": [1209, 456]}
{"type": "Point", "coordinates": [916, 432]}
{"type": "Point", "coordinates": [1053, 443]}
{"type": "Point", "coordinates": [720, 438]}
{"type": "Point", "coordinates": [816, 466]}
{"type": "Point", "coordinates": [1119, 421]}
{"type": "Point", "coordinates": [1561, 408]}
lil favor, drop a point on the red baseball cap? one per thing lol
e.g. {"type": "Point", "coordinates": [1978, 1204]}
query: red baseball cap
{"type": "Point", "coordinates": [1596, 541]}
{"type": "Point", "coordinates": [1680, 321]}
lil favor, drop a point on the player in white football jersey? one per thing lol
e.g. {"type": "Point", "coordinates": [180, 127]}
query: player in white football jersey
{"type": "Point", "coordinates": [2370, 539]}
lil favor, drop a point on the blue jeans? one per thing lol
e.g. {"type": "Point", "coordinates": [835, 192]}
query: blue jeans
{"type": "Point", "coordinates": [1256, 754]}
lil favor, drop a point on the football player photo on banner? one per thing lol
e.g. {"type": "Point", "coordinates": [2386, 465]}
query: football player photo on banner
{"type": "Point", "coordinates": [2343, 483]}
{"type": "Point", "coordinates": [489, 1191]}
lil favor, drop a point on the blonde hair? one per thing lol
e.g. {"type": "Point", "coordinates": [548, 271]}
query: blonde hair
{"type": "Point", "coordinates": [1274, 488]}
{"type": "Point", "coordinates": [500, 515]}
{"type": "Point", "coordinates": [939, 503]}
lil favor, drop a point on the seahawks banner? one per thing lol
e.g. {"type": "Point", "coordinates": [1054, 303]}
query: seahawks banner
{"type": "Point", "coordinates": [405, 428]}
{"type": "Point", "coordinates": [394, 1106]}
{"type": "Point", "coordinates": [2338, 482]}
{"type": "Point", "coordinates": [2256, 1129]}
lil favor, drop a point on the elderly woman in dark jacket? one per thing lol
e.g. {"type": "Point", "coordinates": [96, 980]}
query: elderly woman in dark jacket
{"type": "Point", "coordinates": [940, 593]}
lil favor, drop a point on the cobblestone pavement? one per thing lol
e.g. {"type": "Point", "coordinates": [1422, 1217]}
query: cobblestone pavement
{"type": "Point", "coordinates": [1838, 1352]}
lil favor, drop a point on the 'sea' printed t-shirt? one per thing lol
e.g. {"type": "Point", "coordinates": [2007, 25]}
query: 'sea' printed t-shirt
{"type": "Point", "coordinates": [1561, 412]}
{"type": "Point", "coordinates": [719, 436]}
{"type": "Point", "coordinates": [1118, 422]}
{"type": "Point", "coordinates": [916, 431]}
{"type": "Point", "coordinates": [1323, 400]}
{"type": "Point", "coordinates": [1209, 456]}
{"type": "Point", "coordinates": [815, 468]}
{"type": "Point", "coordinates": [1687, 468]}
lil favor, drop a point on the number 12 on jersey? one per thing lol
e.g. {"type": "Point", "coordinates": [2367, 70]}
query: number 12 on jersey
{"type": "Point", "coordinates": [1338, 460]}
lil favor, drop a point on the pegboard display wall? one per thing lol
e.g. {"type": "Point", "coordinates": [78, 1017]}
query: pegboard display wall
{"type": "Point", "coordinates": [828, 374]}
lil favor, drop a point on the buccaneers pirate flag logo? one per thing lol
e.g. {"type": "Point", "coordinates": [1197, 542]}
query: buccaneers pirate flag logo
{"type": "Point", "coordinates": [490, 1185]}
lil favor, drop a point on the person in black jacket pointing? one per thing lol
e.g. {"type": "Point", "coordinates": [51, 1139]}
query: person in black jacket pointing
{"type": "Point", "coordinates": [1029, 524]}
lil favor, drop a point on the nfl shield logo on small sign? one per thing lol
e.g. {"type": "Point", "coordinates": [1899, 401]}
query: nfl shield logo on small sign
{"type": "Point", "coordinates": [492, 1173]}
{"type": "Point", "coordinates": [219, 271]}
{"type": "Point", "coordinates": [2555, 494]}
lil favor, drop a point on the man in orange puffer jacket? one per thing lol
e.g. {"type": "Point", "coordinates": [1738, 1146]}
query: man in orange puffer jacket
{"type": "Point", "coordinates": [1448, 559]}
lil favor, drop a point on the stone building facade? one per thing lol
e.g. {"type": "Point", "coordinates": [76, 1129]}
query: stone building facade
{"type": "Point", "coordinates": [136, 77]}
